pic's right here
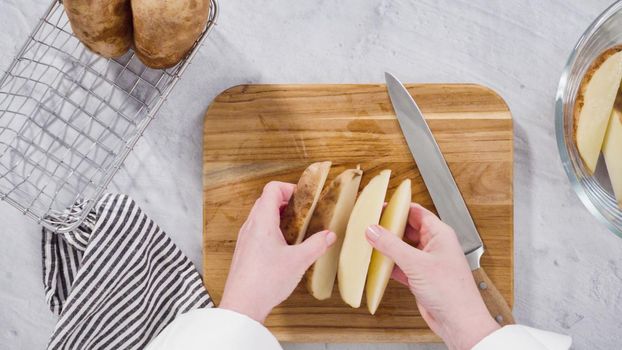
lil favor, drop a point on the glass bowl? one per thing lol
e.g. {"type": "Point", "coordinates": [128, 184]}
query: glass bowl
{"type": "Point", "coordinates": [593, 190]}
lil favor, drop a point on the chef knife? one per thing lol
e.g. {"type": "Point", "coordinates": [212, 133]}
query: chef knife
{"type": "Point", "coordinates": [445, 193]}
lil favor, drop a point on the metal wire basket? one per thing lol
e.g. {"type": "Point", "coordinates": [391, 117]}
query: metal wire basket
{"type": "Point", "coordinates": [69, 118]}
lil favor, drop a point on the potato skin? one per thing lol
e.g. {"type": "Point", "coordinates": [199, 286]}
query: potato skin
{"type": "Point", "coordinates": [164, 31]}
{"type": "Point", "coordinates": [298, 212]}
{"type": "Point", "coordinates": [103, 26]}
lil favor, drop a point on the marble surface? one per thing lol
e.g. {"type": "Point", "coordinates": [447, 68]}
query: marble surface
{"type": "Point", "coordinates": [568, 267]}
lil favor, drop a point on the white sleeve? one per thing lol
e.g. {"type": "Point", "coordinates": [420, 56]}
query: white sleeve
{"type": "Point", "coordinates": [203, 329]}
{"type": "Point", "coordinates": [517, 337]}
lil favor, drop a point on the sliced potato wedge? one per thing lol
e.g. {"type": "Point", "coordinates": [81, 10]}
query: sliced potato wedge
{"type": "Point", "coordinates": [612, 149]}
{"type": "Point", "coordinates": [594, 103]}
{"type": "Point", "coordinates": [394, 219]}
{"type": "Point", "coordinates": [356, 251]}
{"type": "Point", "coordinates": [299, 210]}
{"type": "Point", "coordinates": [331, 213]}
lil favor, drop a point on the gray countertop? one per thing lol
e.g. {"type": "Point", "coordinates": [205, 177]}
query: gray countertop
{"type": "Point", "coordinates": [568, 267]}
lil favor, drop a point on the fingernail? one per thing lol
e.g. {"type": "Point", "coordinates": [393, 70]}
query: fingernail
{"type": "Point", "coordinates": [373, 232]}
{"type": "Point", "coordinates": [331, 237]}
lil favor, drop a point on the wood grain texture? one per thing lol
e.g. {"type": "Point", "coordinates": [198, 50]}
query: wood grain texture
{"type": "Point", "coordinates": [257, 133]}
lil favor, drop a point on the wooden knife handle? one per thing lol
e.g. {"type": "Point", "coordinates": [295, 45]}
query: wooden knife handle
{"type": "Point", "coordinates": [496, 304]}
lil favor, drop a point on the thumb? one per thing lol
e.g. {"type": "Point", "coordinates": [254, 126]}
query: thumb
{"type": "Point", "coordinates": [392, 246]}
{"type": "Point", "coordinates": [314, 247]}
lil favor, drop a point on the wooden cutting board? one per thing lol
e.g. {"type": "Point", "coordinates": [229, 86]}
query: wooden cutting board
{"type": "Point", "coordinates": [257, 133]}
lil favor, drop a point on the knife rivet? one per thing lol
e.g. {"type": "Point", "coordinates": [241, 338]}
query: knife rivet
{"type": "Point", "coordinates": [499, 318]}
{"type": "Point", "coordinates": [483, 285]}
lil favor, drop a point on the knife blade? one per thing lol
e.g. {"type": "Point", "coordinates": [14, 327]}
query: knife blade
{"type": "Point", "coordinates": [444, 192]}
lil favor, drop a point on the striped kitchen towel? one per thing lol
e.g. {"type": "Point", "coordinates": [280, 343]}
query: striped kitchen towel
{"type": "Point", "coordinates": [117, 280]}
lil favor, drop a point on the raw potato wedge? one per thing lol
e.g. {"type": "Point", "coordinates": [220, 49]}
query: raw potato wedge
{"type": "Point", "coordinates": [165, 31]}
{"type": "Point", "coordinates": [299, 210]}
{"type": "Point", "coordinates": [595, 99]}
{"type": "Point", "coordinates": [332, 213]}
{"type": "Point", "coordinates": [103, 26]}
{"type": "Point", "coordinates": [612, 149]}
{"type": "Point", "coordinates": [356, 251]}
{"type": "Point", "coordinates": [394, 219]}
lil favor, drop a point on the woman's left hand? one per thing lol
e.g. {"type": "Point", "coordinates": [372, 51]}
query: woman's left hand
{"type": "Point", "coordinates": [265, 269]}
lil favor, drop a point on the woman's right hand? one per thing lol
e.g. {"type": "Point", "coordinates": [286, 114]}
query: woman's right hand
{"type": "Point", "coordinates": [437, 273]}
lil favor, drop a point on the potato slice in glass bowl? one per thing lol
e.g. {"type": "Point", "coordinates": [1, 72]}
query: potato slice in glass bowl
{"type": "Point", "coordinates": [590, 178]}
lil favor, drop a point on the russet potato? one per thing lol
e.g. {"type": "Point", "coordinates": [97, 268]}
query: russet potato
{"type": "Point", "coordinates": [165, 31]}
{"type": "Point", "coordinates": [103, 26]}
